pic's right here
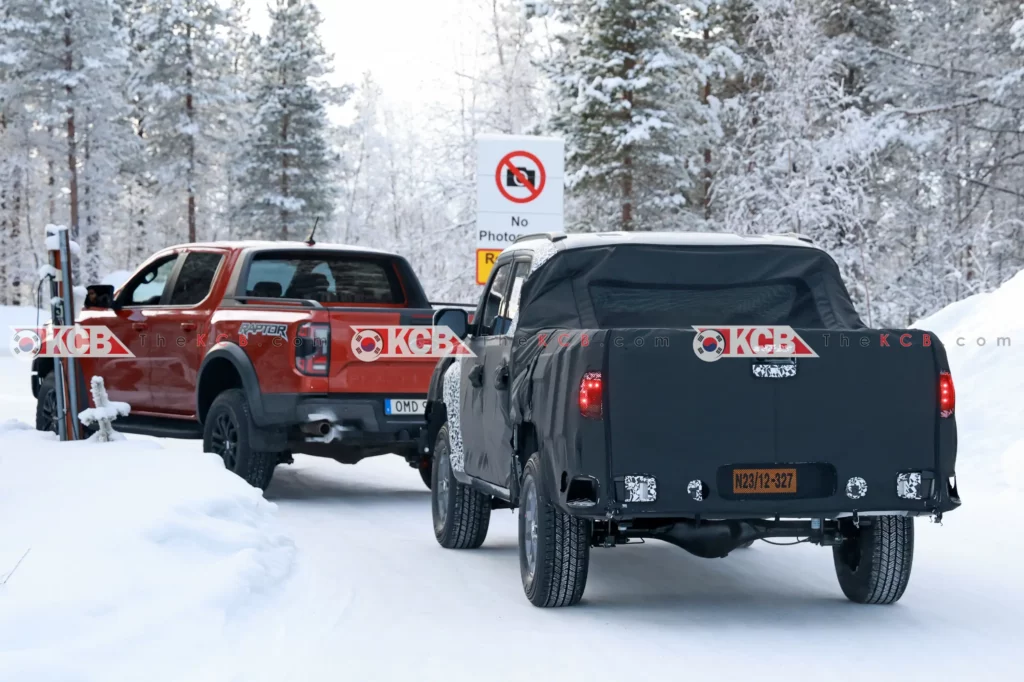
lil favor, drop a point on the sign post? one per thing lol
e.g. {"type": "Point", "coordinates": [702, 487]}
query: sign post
{"type": "Point", "coordinates": [520, 190]}
{"type": "Point", "coordinates": [62, 313]}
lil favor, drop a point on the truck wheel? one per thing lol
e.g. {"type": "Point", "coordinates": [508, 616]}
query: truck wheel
{"type": "Point", "coordinates": [554, 547]}
{"type": "Point", "coordinates": [873, 562]}
{"type": "Point", "coordinates": [46, 405]}
{"type": "Point", "coordinates": [461, 514]}
{"type": "Point", "coordinates": [226, 433]}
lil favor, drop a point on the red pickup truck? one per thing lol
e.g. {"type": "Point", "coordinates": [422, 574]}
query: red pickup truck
{"type": "Point", "coordinates": [249, 346]}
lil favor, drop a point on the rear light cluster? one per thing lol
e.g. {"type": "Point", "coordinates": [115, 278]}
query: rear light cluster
{"type": "Point", "coordinates": [313, 349]}
{"type": "Point", "coordinates": [592, 395]}
{"type": "Point", "coordinates": [947, 395]}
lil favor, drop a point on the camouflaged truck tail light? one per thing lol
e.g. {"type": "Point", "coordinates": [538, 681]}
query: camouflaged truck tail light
{"type": "Point", "coordinates": [947, 395]}
{"type": "Point", "coordinates": [591, 396]}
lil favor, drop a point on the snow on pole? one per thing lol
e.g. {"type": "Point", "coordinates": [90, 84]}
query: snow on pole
{"type": "Point", "coordinates": [105, 412]}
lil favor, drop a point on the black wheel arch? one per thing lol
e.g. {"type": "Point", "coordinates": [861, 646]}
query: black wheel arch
{"type": "Point", "coordinates": [436, 416]}
{"type": "Point", "coordinates": [40, 368]}
{"type": "Point", "coordinates": [227, 366]}
{"type": "Point", "coordinates": [437, 411]}
{"type": "Point", "coordinates": [527, 442]}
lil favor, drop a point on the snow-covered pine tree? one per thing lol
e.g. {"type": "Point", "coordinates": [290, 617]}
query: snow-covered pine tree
{"type": "Point", "coordinates": [955, 209]}
{"type": "Point", "coordinates": [289, 164]}
{"type": "Point", "coordinates": [621, 91]}
{"type": "Point", "coordinates": [67, 76]}
{"type": "Point", "coordinates": [241, 45]}
{"type": "Point", "coordinates": [802, 155]}
{"type": "Point", "coordinates": [712, 39]}
{"type": "Point", "coordinates": [188, 92]}
{"type": "Point", "coordinates": [139, 182]}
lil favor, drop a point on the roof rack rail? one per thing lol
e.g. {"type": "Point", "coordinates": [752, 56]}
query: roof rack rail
{"type": "Point", "coordinates": [550, 236]}
{"type": "Point", "coordinates": [794, 235]}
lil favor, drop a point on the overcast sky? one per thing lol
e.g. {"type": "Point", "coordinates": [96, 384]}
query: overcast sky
{"type": "Point", "coordinates": [408, 45]}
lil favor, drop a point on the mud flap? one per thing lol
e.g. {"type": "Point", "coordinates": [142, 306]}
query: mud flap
{"type": "Point", "coordinates": [267, 439]}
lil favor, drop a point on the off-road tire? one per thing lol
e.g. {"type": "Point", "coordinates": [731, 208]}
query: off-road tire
{"type": "Point", "coordinates": [256, 467]}
{"type": "Point", "coordinates": [562, 546]}
{"type": "Point", "coordinates": [45, 402]}
{"type": "Point", "coordinates": [467, 513]}
{"type": "Point", "coordinates": [873, 562]}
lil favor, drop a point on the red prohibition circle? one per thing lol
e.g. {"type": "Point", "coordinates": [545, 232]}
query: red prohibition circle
{"type": "Point", "coordinates": [506, 163]}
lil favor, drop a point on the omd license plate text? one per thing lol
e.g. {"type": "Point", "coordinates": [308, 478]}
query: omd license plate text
{"type": "Point", "coordinates": [405, 406]}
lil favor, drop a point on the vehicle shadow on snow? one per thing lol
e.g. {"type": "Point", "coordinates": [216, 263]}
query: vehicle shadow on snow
{"type": "Point", "coordinates": [297, 484]}
{"type": "Point", "coordinates": [750, 587]}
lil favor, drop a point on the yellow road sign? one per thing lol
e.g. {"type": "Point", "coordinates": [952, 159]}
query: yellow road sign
{"type": "Point", "coordinates": [485, 263]}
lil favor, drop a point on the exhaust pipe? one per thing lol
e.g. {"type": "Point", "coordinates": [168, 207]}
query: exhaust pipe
{"type": "Point", "coordinates": [319, 428]}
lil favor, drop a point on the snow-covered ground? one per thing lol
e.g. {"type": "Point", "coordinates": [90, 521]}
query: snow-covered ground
{"type": "Point", "coordinates": [145, 560]}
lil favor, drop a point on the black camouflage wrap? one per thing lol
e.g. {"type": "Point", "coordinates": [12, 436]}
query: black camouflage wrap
{"type": "Point", "coordinates": [861, 409]}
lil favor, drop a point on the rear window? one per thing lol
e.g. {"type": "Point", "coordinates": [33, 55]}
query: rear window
{"type": "Point", "coordinates": [786, 302]}
{"type": "Point", "coordinates": [324, 277]}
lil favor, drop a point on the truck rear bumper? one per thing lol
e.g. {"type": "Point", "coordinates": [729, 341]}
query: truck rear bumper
{"type": "Point", "coordinates": [881, 495]}
{"type": "Point", "coordinates": [353, 420]}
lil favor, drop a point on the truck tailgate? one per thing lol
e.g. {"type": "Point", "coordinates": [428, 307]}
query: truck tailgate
{"type": "Point", "coordinates": [392, 376]}
{"type": "Point", "coordinates": [867, 411]}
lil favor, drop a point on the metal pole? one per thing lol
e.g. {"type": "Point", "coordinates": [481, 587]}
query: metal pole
{"type": "Point", "coordinates": [56, 317]}
{"type": "Point", "coordinates": [67, 291]}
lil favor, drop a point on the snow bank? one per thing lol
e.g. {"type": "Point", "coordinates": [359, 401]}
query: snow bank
{"type": "Point", "coordinates": [134, 559]}
{"type": "Point", "coordinates": [984, 337]}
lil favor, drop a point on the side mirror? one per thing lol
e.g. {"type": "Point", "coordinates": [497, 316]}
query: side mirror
{"type": "Point", "coordinates": [99, 296]}
{"type": "Point", "coordinates": [455, 319]}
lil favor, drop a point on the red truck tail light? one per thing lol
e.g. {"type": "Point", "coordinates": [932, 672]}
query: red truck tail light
{"type": "Point", "coordinates": [592, 395]}
{"type": "Point", "coordinates": [313, 349]}
{"type": "Point", "coordinates": [947, 395]}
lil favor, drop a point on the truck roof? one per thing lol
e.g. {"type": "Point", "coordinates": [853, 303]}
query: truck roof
{"type": "Point", "coordinates": [562, 241]}
{"type": "Point", "coordinates": [256, 244]}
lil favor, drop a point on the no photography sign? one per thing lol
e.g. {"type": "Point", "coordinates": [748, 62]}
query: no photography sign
{"type": "Point", "coordinates": [521, 177]}
{"type": "Point", "coordinates": [520, 190]}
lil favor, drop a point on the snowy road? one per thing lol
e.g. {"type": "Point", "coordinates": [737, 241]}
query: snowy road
{"type": "Point", "coordinates": [371, 596]}
{"type": "Point", "coordinates": [374, 595]}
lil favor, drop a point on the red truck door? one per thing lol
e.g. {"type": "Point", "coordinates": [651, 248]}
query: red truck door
{"type": "Point", "coordinates": [178, 328]}
{"type": "Point", "coordinates": [128, 379]}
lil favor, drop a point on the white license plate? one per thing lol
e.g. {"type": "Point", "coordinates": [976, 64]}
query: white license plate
{"type": "Point", "coordinates": [405, 406]}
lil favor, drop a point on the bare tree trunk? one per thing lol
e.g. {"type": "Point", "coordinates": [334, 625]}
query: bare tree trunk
{"type": "Point", "coordinates": [627, 194]}
{"type": "Point", "coordinates": [28, 222]}
{"type": "Point", "coordinates": [191, 113]}
{"type": "Point", "coordinates": [705, 95]}
{"type": "Point", "coordinates": [5, 246]}
{"type": "Point", "coordinates": [13, 242]}
{"type": "Point", "coordinates": [92, 236]}
{"type": "Point", "coordinates": [51, 185]}
{"type": "Point", "coordinates": [284, 177]}
{"type": "Point", "coordinates": [140, 241]}
{"type": "Point", "coordinates": [627, 162]}
{"type": "Point", "coordinates": [69, 66]}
